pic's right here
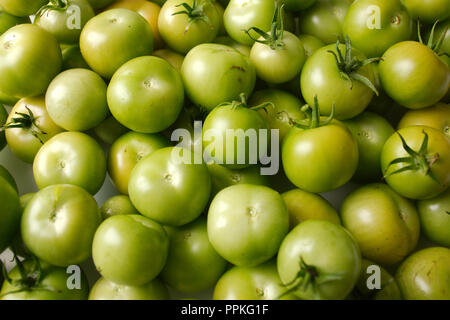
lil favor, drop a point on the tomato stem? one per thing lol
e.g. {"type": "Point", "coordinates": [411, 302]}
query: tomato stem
{"type": "Point", "coordinates": [195, 13]}
{"type": "Point", "coordinates": [58, 5]}
{"type": "Point", "coordinates": [313, 116]}
{"type": "Point", "coordinates": [27, 122]}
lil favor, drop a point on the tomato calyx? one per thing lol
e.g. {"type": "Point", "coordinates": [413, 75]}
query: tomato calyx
{"type": "Point", "coordinates": [432, 44]}
{"type": "Point", "coordinates": [57, 5]}
{"type": "Point", "coordinates": [417, 160]}
{"type": "Point", "coordinates": [195, 13]}
{"type": "Point", "coordinates": [243, 104]}
{"type": "Point", "coordinates": [26, 121]}
{"type": "Point", "coordinates": [348, 65]}
{"type": "Point", "coordinates": [312, 117]}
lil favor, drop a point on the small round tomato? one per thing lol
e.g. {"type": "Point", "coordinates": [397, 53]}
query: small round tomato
{"type": "Point", "coordinates": [297, 5]}
{"type": "Point", "coordinates": [59, 223]}
{"type": "Point", "coordinates": [146, 94]}
{"type": "Point", "coordinates": [73, 158]}
{"type": "Point", "coordinates": [130, 249]}
{"type": "Point", "coordinates": [72, 58]}
{"type": "Point", "coordinates": [311, 44]}
{"type": "Point", "coordinates": [8, 21]}
{"type": "Point", "coordinates": [107, 290]}
{"type": "Point", "coordinates": [184, 27]}
{"type": "Point", "coordinates": [435, 218]}
{"type": "Point", "coordinates": [175, 59]}
{"type": "Point", "coordinates": [28, 52]}
{"type": "Point", "coordinates": [319, 259]}
{"type": "Point", "coordinates": [251, 283]}
{"type": "Point", "coordinates": [371, 131]}
{"type": "Point", "coordinates": [303, 205]}
{"type": "Point", "coordinates": [246, 223]}
{"type": "Point", "coordinates": [214, 73]}
{"type": "Point", "coordinates": [242, 48]}
{"type": "Point", "coordinates": [443, 30]}
{"type": "Point", "coordinates": [4, 173]}
{"type": "Point", "coordinates": [428, 11]}
{"type": "Point", "coordinates": [22, 8]}
{"type": "Point", "coordinates": [112, 38]}
{"type": "Point", "coordinates": [416, 162]}
{"type": "Point", "coordinates": [72, 95]}
{"type": "Point", "coordinates": [127, 151]}
{"type": "Point", "coordinates": [190, 248]}
{"type": "Point", "coordinates": [28, 127]}
{"type": "Point", "coordinates": [385, 225]}
{"type": "Point", "coordinates": [437, 117]}
{"type": "Point", "coordinates": [10, 213]}
{"type": "Point", "coordinates": [161, 186]}
{"type": "Point", "coordinates": [425, 275]}
{"type": "Point", "coordinates": [98, 4]}
{"type": "Point", "coordinates": [110, 130]}
{"type": "Point", "coordinates": [116, 205]}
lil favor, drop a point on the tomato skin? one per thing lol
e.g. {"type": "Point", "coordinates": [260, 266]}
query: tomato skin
{"type": "Point", "coordinates": [242, 48]}
{"type": "Point", "coordinates": [371, 131]}
{"type": "Point", "coordinates": [10, 214]}
{"type": "Point", "coordinates": [3, 117]}
{"type": "Point", "coordinates": [109, 130]}
{"type": "Point", "coordinates": [417, 184]}
{"type": "Point", "coordinates": [261, 282]}
{"type": "Point", "coordinates": [385, 225]}
{"type": "Point", "coordinates": [73, 158]}
{"type": "Point", "coordinates": [297, 5]}
{"type": "Point", "coordinates": [425, 275]}
{"type": "Point", "coordinates": [311, 44]}
{"type": "Point", "coordinates": [59, 223]}
{"type": "Point", "coordinates": [8, 21]}
{"type": "Point", "coordinates": [120, 204]}
{"type": "Point", "coordinates": [246, 224]}
{"type": "Point", "coordinates": [22, 8]}
{"type": "Point", "coordinates": [437, 117]}
{"type": "Point", "coordinates": [373, 40]}
{"type": "Point", "coordinates": [106, 41]}
{"type": "Point", "coordinates": [435, 218]}
{"type": "Point", "coordinates": [330, 249]}
{"type": "Point", "coordinates": [98, 4]}
{"type": "Point", "coordinates": [146, 94]}
{"type": "Point", "coordinates": [127, 151]}
{"type": "Point", "coordinates": [135, 254]}
{"type": "Point", "coordinates": [175, 59]}
{"type": "Point", "coordinates": [413, 75]}
{"type": "Point", "coordinates": [28, 52]}
{"type": "Point", "coordinates": [4, 173]}
{"type": "Point", "coordinates": [72, 58]}
{"type": "Point", "coordinates": [428, 11]}
{"type": "Point", "coordinates": [160, 187]}
{"type": "Point", "coordinates": [214, 73]}
{"type": "Point", "coordinates": [107, 290]}
{"type": "Point", "coordinates": [190, 247]}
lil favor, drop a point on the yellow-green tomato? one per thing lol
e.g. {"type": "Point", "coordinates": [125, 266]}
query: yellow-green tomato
{"type": "Point", "coordinates": [98, 4]}
{"type": "Point", "coordinates": [385, 225]}
{"type": "Point", "coordinates": [311, 44]}
{"type": "Point", "coordinates": [242, 48]}
{"type": "Point", "coordinates": [4, 173]}
{"type": "Point", "coordinates": [107, 290]}
{"type": "Point", "coordinates": [73, 59]}
{"type": "Point", "coordinates": [437, 117]}
{"type": "Point", "coordinates": [120, 204]}
{"type": "Point", "coordinates": [8, 21]}
{"type": "Point", "coordinates": [172, 57]}
{"type": "Point", "coordinates": [109, 130]}
{"type": "Point", "coordinates": [22, 8]}
{"type": "Point", "coordinates": [428, 11]}
{"type": "Point", "coordinates": [9, 214]}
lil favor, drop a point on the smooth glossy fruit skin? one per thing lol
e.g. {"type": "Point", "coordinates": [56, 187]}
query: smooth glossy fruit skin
{"type": "Point", "coordinates": [109, 130]}
{"type": "Point", "coordinates": [246, 224]}
{"type": "Point", "coordinates": [435, 218]}
{"type": "Point", "coordinates": [261, 282]}
{"type": "Point", "coordinates": [161, 186]}
{"type": "Point", "coordinates": [73, 158]}
{"type": "Point", "coordinates": [303, 205]}
{"type": "Point", "coordinates": [437, 117]}
{"type": "Point", "coordinates": [8, 21]}
{"type": "Point", "coordinates": [114, 37]}
{"type": "Point", "coordinates": [311, 44]}
{"type": "Point", "coordinates": [130, 249]}
{"type": "Point", "coordinates": [201, 264]}
{"type": "Point", "coordinates": [417, 184]}
{"type": "Point", "coordinates": [385, 225]}
{"type": "Point", "coordinates": [107, 290]}
{"type": "Point", "coordinates": [371, 131]}
{"type": "Point", "coordinates": [172, 57]}
{"type": "Point", "coordinates": [413, 75]}
{"type": "Point", "coordinates": [425, 275]}
{"type": "Point", "coordinates": [9, 214]}
{"type": "Point", "coordinates": [28, 52]}
{"type": "Point", "coordinates": [22, 8]}
{"type": "Point", "coordinates": [226, 40]}
{"type": "Point", "coordinates": [98, 4]}
{"type": "Point", "coordinates": [120, 204]}
{"type": "Point", "coordinates": [4, 173]}
{"type": "Point", "coordinates": [127, 151]}
{"type": "Point", "coordinates": [214, 73]}
{"type": "Point", "coordinates": [59, 223]}
{"type": "Point", "coordinates": [73, 59]}
{"type": "Point", "coordinates": [297, 5]}
{"type": "Point", "coordinates": [330, 249]}
{"type": "Point", "coordinates": [146, 94]}
{"type": "Point", "coordinates": [375, 25]}
{"type": "Point", "coordinates": [429, 11]}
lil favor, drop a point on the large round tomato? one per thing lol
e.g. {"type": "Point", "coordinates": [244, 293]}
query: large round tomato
{"type": "Point", "coordinates": [319, 260]}
{"type": "Point", "coordinates": [73, 158]}
{"type": "Point", "coordinates": [9, 214]}
{"type": "Point", "coordinates": [107, 290]}
{"type": "Point", "coordinates": [428, 11]}
{"type": "Point", "coordinates": [112, 38]}
{"type": "Point", "coordinates": [130, 249]}
{"type": "Point", "coordinates": [146, 94]}
{"type": "Point", "coordinates": [385, 225]}
{"type": "Point", "coordinates": [22, 8]}
{"type": "Point", "coordinates": [59, 223]}
{"type": "Point", "coordinates": [437, 117]}
{"type": "Point", "coordinates": [28, 52]}
{"type": "Point", "coordinates": [214, 73]}
{"type": "Point", "coordinates": [246, 223]}
{"type": "Point", "coordinates": [120, 204]}
{"type": "Point", "coordinates": [172, 57]}
{"type": "Point", "coordinates": [73, 59]}
{"type": "Point", "coordinates": [8, 21]}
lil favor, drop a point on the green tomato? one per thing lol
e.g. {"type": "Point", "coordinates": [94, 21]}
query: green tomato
{"type": "Point", "coordinates": [109, 130]}
{"type": "Point", "coordinates": [175, 59]}
{"type": "Point", "coordinates": [246, 224]}
{"type": "Point", "coordinates": [8, 21]}
{"type": "Point", "coordinates": [9, 214]}
{"type": "Point", "coordinates": [435, 218]}
{"type": "Point", "coordinates": [28, 52]}
{"type": "Point", "coordinates": [73, 158]}
{"type": "Point", "coordinates": [242, 48]}
{"type": "Point", "coordinates": [130, 249]}
{"type": "Point", "coordinates": [261, 282]}
{"type": "Point", "coordinates": [114, 37]}
{"type": "Point", "coordinates": [107, 290]}
{"type": "Point", "coordinates": [437, 117]}
{"type": "Point", "coordinates": [297, 5]}
{"type": "Point", "coordinates": [385, 225]}
{"type": "Point", "coordinates": [72, 95]}
{"type": "Point", "coordinates": [445, 46]}
{"type": "Point", "coordinates": [146, 94]}
{"type": "Point", "coordinates": [319, 259]}
{"type": "Point", "coordinates": [311, 44]}
{"type": "Point", "coordinates": [371, 131]}
{"type": "Point", "coordinates": [425, 275]}
{"type": "Point", "coordinates": [120, 204]}
{"type": "Point", "coordinates": [22, 8]}
{"type": "Point", "coordinates": [3, 117]}
{"type": "Point", "coordinates": [72, 58]}
{"type": "Point", "coordinates": [303, 205]}
{"type": "Point", "coordinates": [17, 245]}
{"type": "Point", "coordinates": [190, 248]}
{"type": "Point", "coordinates": [214, 73]}
{"type": "Point", "coordinates": [99, 4]}
{"type": "Point", "coordinates": [4, 173]}
{"type": "Point", "coordinates": [59, 223]}
{"type": "Point", "coordinates": [161, 186]}
{"type": "Point", "coordinates": [127, 151]}
{"type": "Point", "coordinates": [428, 11]}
